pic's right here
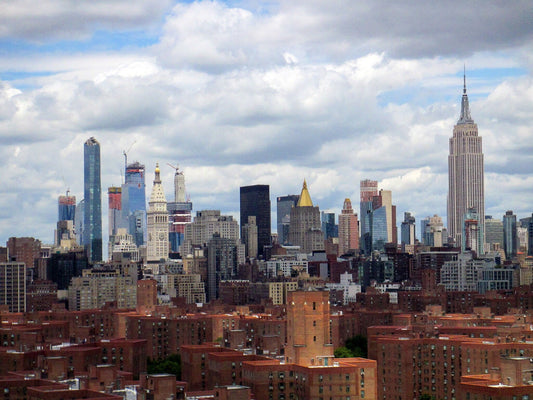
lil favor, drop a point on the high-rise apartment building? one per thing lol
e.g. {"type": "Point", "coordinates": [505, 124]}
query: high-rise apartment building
{"type": "Point", "coordinates": [255, 200]}
{"type": "Point", "coordinates": [305, 226]}
{"type": "Point", "coordinates": [472, 236]}
{"type": "Point", "coordinates": [222, 262]}
{"type": "Point", "coordinates": [433, 231]}
{"type": "Point", "coordinates": [114, 196]}
{"type": "Point", "coordinates": [13, 286]}
{"type": "Point", "coordinates": [134, 202]}
{"type": "Point", "coordinates": [465, 173]}
{"type": "Point", "coordinates": [408, 229]}
{"type": "Point", "coordinates": [348, 228]}
{"type": "Point", "coordinates": [157, 245]}
{"type": "Point", "coordinates": [92, 225]}
{"type": "Point", "coordinates": [284, 205]}
{"type": "Point", "coordinates": [179, 212]}
{"type": "Point", "coordinates": [24, 249]}
{"type": "Point", "coordinates": [369, 189]}
{"type": "Point", "coordinates": [510, 239]}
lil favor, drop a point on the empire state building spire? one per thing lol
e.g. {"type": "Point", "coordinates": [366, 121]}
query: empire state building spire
{"type": "Point", "coordinates": [465, 117]}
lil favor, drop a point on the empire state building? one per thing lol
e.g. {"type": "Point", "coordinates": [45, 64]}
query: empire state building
{"type": "Point", "coordinates": [466, 195]}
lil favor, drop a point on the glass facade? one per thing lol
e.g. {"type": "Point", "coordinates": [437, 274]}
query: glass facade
{"type": "Point", "coordinates": [329, 229]}
{"type": "Point", "coordinates": [66, 208]}
{"type": "Point", "coordinates": [284, 205]}
{"type": "Point", "coordinates": [510, 239]}
{"type": "Point", "coordinates": [134, 202]}
{"type": "Point", "coordinates": [92, 237]}
{"type": "Point", "coordinates": [379, 228]}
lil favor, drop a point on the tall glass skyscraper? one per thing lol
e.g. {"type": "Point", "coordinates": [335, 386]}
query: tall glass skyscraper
{"type": "Point", "coordinates": [92, 236]}
{"type": "Point", "coordinates": [66, 208]}
{"type": "Point", "coordinates": [134, 202]}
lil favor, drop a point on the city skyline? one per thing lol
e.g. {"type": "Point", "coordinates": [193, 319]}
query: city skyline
{"type": "Point", "coordinates": [273, 98]}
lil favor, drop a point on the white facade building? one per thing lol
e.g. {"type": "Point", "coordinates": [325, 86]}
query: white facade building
{"type": "Point", "coordinates": [157, 215]}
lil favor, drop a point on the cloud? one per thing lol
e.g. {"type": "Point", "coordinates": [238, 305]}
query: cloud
{"type": "Point", "coordinates": [71, 19]}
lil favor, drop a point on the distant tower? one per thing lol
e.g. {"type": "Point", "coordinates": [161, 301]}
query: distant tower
{"type": "Point", "coordinates": [179, 212]}
{"type": "Point", "coordinates": [465, 173]}
{"type": "Point", "coordinates": [284, 205]}
{"type": "Point", "coordinates": [408, 230]}
{"type": "Point", "coordinates": [249, 237]}
{"type": "Point", "coordinates": [472, 234]}
{"type": "Point", "coordinates": [305, 226]}
{"type": "Point", "coordinates": [348, 228]}
{"type": "Point", "coordinates": [157, 246]}
{"type": "Point", "coordinates": [134, 202]}
{"type": "Point", "coordinates": [255, 200]}
{"type": "Point", "coordinates": [510, 239]}
{"type": "Point", "coordinates": [66, 208]}
{"type": "Point", "coordinates": [114, 195]}
{"type": "Point", "coordinates": [369, 190]}
{"type": "Point", "coordinates": [92, 236]}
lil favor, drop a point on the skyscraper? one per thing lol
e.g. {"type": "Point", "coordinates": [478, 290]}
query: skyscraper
{"type": "Point", "coordinates": [92, 225]}
{"type": "Point", "coordinates": [179, 212]}
{"type": "Point", "coordinates": [66, 208]}
{"type": "Point", "coordinates": [255, 201]}
{"type": "Point", "coordinates": [305, 226]}
{"type": "Point", "coordinates": [329, 228]}
{"type": "Point", "coordinates": [114, 196]}
{"type": "Point", "coordinates": [348, 228]}
{"type": "Point", "coordinates": [493, 233]}
{"type": "Point", "coordinates": [465, 173]}
{"type": "Point", "coordinates": [510, 239]}
{"type": "Point", "coordinates": [134, 202]}
{"type": "Point", "coordinates": [408, 233]}
{"type": "Point", "coordinates": [157, 246]}
{"type": "Point", "coordinates": [284, 205]}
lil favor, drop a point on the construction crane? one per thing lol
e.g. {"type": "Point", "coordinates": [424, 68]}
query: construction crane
{"type": "Point", "coordinates": [176, 167]}
{"type": "Point", "coordinates": [125, 152]}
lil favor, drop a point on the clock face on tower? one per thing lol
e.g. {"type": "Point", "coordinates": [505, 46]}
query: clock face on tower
{"type": "Point", "coordinates": [161, 236]}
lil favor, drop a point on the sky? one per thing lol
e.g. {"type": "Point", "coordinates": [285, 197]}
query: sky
{"type": "Point", "coordinates": [261, 92]}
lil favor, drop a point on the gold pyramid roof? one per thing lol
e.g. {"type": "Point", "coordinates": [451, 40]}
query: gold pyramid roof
{"type": "Point", "coordinates": [305, 198]}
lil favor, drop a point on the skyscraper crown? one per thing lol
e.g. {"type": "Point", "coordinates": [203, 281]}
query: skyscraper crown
{"type": "Point", "coordinates": [465, 117]}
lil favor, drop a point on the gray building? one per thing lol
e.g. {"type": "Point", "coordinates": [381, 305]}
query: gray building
{"type": "Point", "coordinates": [493, 233]}
{"type": "Point", "coordinates": [510, 239]}
{"type": "Point", "coordinates": [284, 206]}
{"type": "Point", "coordinates": [222, 262]}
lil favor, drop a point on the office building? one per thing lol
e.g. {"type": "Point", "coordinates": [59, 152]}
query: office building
{"type": "Point", "coordinates": [157, 245]}
{"type": "Point", "coordinates": [408, 229]}
{"type": "Point", "coordinates": [510, 239]}
{"type": "Point", "coordinates": [493, 233]}
{"type": "Point", "coordinates": [369, 189]}
{"type": "Point", "coordinates": [205, 224]}
{"type": "Point", "coordinates": [134, 202]}
{"type": "Point", "coordinates": [179, 212]}
{"type": "Point", "coordinates": [13, 283]}
{"type": "Point", "coordinates": [92, 225]}
{"type": "Point", "coordinates": [249, 237]}
{"type": "Point", "coordinates": [24, 249]}
{"type": "Point", "coordinates": [255, 201]}
{"type": "Point", "coordinates": [465, 173]}
{"type": "Point", "coordinates": [305, 226]}
{"type": "Point", "coordinates": [348, 228]}
{"type": "Point", "coordinates": [433, 231]}
{"type": "Point", "coordinates": [328, 226]}
{"type": "Point", "coordinates": [284, 205]}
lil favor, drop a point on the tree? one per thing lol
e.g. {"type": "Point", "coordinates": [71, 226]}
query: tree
{"type": "Point", "coordinates": [358, 346]}
{"type": "Point", "coordinates": [343, 352]}
{"type": "Point", "coordinates": [170, 365]}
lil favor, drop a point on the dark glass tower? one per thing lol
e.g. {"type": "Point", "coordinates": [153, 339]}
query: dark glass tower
{"type": "Point", "coordinates": [92, 236]}
{"type": "Point", "coordinates": [255, 201]}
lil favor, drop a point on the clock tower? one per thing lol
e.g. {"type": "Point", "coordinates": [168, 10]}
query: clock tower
{"type": "Point", "coordinates": [157, 215]}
